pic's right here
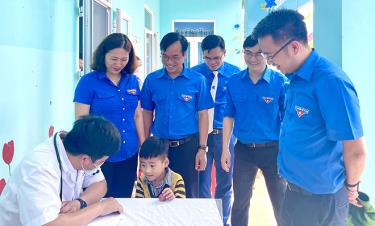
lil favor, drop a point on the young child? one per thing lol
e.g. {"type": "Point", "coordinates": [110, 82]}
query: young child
{"type": "Point", "coordinates": [157, 180]}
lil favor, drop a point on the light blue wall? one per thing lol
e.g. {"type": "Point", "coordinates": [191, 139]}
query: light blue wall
{"type": "Point", "coordinates": [38, 60]}
{"type": "Point", "coordinates": [328, 29]}
{"type": "Point", "coordinates": [225, 13]}
{"type": "Point", "coordinates": [358, 22]}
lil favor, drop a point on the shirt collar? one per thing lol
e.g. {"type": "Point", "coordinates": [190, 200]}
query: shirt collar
{"type": "Point", "coordinates": [65, 162]}
{"type": "Point", "coordinates": [306, 70]}
{"type": "Point", "coordinates": [266, 74]}
{"type": "Point", "coordinates": [185, 73]}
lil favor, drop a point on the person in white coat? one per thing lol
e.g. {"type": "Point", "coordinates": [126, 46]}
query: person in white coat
{"type": "Point", "coordinates": [47, 186]}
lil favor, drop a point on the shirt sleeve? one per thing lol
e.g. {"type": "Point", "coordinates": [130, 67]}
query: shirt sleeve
{"type": "Point", "coordinates": [179, 191]}
{"type": "Point", "coordinates": [229, 110]}
{"type": "Point", "coordinates": [91, 179]}
{"type": "Point", "coordinates": [139, 193]}
{"type": "Point", "coordinates": [84, 92]}
{"type": "Point", "coordinates": [39, 197]}
{"type": "Point", "coordinates": [204, 98]}
{"type": "Point", "coordinates": [282, 97]}
{"type": "Point", "coordinates": [146, 96]}
{"type": "Point", "coordinates": [339, 106]}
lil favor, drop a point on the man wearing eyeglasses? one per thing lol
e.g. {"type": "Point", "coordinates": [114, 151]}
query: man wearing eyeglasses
{"type": "Point", "coordinates": [254, 112]}
{"type": "Point", "coordinates": [217, 73]}
{"type": "Point", "coordinates": [175, 100]}
{"type": "Point", "coordinates": [322, 150]}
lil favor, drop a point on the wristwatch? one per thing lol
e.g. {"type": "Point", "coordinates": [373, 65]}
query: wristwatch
{"type": "Point", "coordinates": [203, 147]}
{"type": "Point", "coordinates": [82, 203]}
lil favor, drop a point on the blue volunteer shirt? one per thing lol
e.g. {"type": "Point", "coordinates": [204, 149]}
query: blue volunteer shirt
{"type": "Point", "coordinates": [322, 109]}
{"type": "Point", "coordinates": [176, 102]}
{"type": "Point", "coordinates": [226, 71]}
{"type": "Point", "coordinates": [257, 109]}
{"type": "Point", "coordinates": [115, 103]}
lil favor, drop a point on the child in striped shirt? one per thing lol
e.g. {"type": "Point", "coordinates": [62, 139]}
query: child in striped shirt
{"type": "Point", "coordinates": [157, 180]}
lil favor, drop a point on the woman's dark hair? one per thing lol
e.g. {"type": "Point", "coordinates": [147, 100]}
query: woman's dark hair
{"type": "Point", "coordinates": [154, 148]}
{"type": "Point", "coordinates": [113, 41]}
{"type": "Point", "coordinates": [171, 38]}
{"type": "Point", "coordinates": [94, 136]}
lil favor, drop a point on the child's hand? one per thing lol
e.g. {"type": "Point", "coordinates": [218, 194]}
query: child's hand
{"type": "Point", "coordinates": [166, 195]}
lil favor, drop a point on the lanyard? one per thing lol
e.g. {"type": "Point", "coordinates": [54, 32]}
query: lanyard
{"type": "Point", "coordinates": [59, 160]}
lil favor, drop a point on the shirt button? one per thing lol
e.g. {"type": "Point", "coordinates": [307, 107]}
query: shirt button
{"type": "Point", "coordinates": [123, 109]}
{"type": "Point", "coordinates": [123, 131]}
{"type": "Point", "coordinates": [119, 90]}
{"type": "Point", "coordinates": [123, 142]}
{"type": "Point", "coordinates": [123, 119]}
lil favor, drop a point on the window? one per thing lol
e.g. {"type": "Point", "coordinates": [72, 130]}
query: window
{"type": "Point", "coordinates": [151, 40]}
{"type": "Point", "coordinates": [123, 22]}
{"type": "Point", "coordinates": [194, 31]}
{"type": "Point", "coordinates": [94, 26]}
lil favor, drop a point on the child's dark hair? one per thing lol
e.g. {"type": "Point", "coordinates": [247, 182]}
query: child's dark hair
{"type": "Point", "coordinates": [154, 147]}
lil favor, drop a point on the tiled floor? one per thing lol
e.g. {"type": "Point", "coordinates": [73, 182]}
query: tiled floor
{"type": "Point", "coordinates": [261, 213]}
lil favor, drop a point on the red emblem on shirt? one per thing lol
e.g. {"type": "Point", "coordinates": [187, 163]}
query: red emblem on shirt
{"type": "Point", "coordinates": [268, 99]}
{"type": "Point", "coordinates": [132, 91]}
{"type": "Point", "coordinates": [186, 97]}
{"type": "Point", "coordinates": [301, 111]}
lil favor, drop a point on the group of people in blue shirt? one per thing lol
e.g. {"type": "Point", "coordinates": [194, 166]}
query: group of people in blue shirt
{"type": "Point", "coordinates": [300, 124]}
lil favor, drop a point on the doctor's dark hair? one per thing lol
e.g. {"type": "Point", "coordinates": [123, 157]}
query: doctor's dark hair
{"type": "Point", "coordinates": [213, 41]}
{"type": "Point", "coordinates": [154, 148]}
{"type": "Point", "coordinates": [282, 25]}
{"type": "Point", "coordinates": [171, 38]}
{"type": "Point", "coordinates": [93, 136]}
{"type": "Point", "coordinates": [114, 41]}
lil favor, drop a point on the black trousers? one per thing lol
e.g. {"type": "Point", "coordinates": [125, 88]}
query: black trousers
{"type": "Point", "coordinates": [182, 161]}
{"type": "Point", "coordinates": [247, 161]}
{"type": "Point", "coordinates": [315, 210]}
{"type": "Point", "coordinates": [120, 177]}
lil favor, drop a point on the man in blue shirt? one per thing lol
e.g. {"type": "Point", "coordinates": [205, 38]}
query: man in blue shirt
{"type": "Point", "coordinates": [213, 48]}
{"type": "Point", "coordinates": [175, 100]}
{"type": "Point", "coordinates": [322, 151]}
{"type": "Point", "coordinates": [254, 112]}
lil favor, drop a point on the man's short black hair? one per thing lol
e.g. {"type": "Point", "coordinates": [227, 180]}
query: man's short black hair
{"type": "Point", "coordinates": [282, 25]}
{"type": "Point", "coordinates": [93, 136]}
{"type": "Point", "coordinates": [154, 148]}
{"type": "Point", "coordinates": [249, 42]}
{"type": "Point", "coordinates": [171, 38]}
{"type": "Point", "coordinates": [213, 41]}
{"type": "Point", "coordinates": [114, 41]}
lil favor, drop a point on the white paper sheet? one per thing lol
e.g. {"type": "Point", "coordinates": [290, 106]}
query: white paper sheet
{"type": "Point", "coordinates": [152, 212]}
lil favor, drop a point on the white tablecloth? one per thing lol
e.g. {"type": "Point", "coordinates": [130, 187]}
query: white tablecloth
{"type": "Point", "coordinates": [152, 212]}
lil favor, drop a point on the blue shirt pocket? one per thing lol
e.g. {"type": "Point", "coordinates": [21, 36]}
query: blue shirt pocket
{"type": "Point", "coordinates": [103, 103]}
{"type": "Point", "coordinates": [187, 101]}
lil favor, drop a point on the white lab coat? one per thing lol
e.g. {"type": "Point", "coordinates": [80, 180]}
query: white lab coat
{"type": "Point", "coordinates": [32, 194]}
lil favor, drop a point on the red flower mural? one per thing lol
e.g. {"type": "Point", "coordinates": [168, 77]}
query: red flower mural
{"type": "Point", "coordinates": [8, 152]}
{"type": "Point", "coordinates": [2, 185]}
{"type": "Point", "coordinates": [50, 131]}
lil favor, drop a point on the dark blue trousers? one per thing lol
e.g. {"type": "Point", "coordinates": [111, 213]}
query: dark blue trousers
{"type": "Point", "coordinates": [315, 210]}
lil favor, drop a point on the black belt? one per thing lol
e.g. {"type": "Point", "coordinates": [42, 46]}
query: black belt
{"type": "Point", "coordinates": [264, 145]}
{"type": "Point", "coordinates": [216, 131]}
{"type": "Point", "coordinates": [295, 188]}
{"type": "Point", "coordinates": [176, 143]}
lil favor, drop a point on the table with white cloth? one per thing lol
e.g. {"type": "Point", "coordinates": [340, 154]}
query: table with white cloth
{"type": "Point", "coordinates": [152, 212]}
